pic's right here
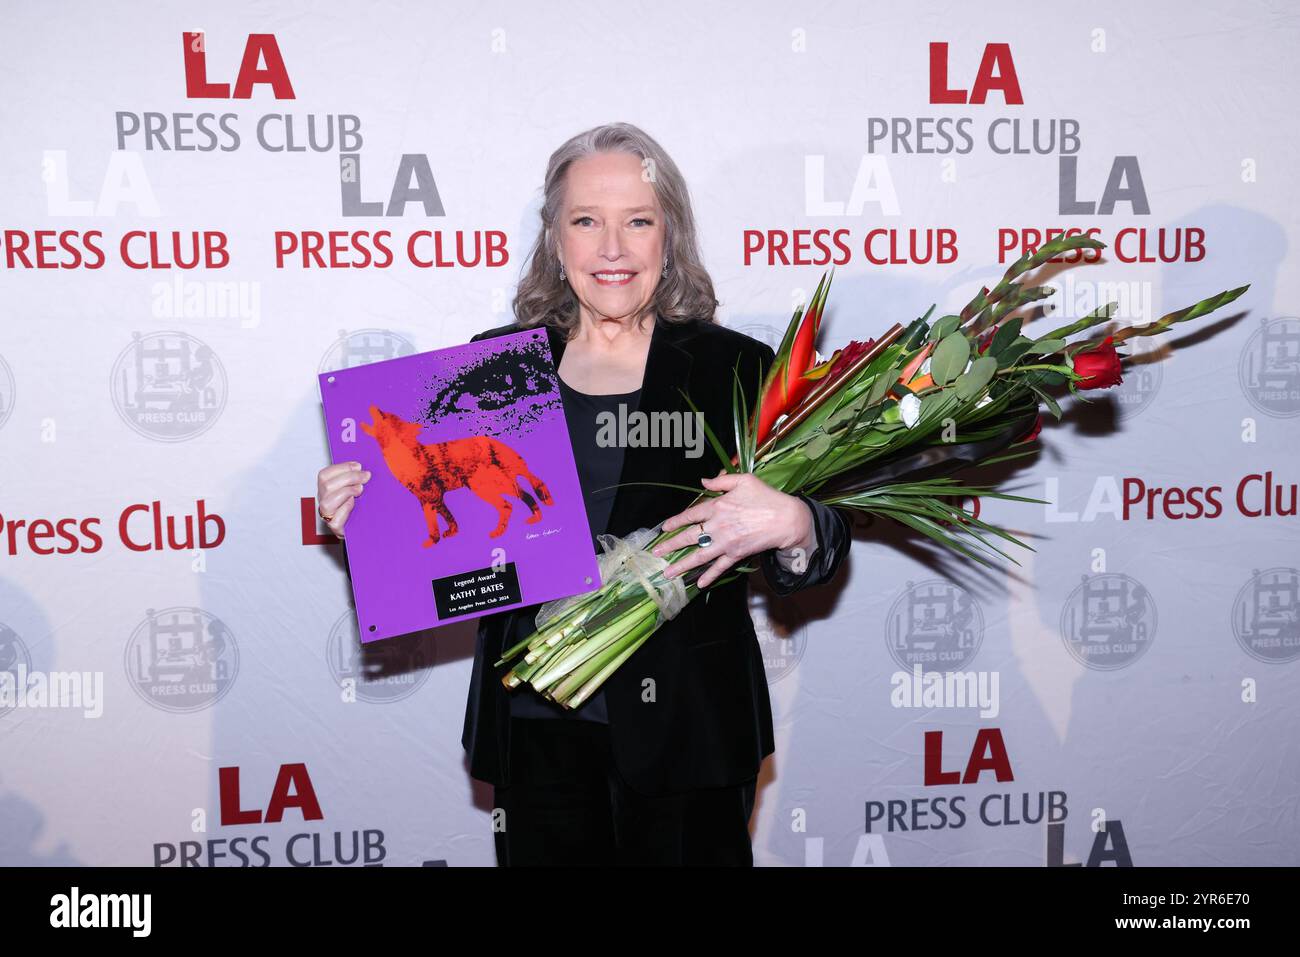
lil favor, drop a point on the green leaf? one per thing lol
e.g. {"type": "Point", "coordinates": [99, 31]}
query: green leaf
{"type": "Point", "coordinates": [979, 375]}
{"type": "Point", "coordinates": [1013, 352]}
{"type": "Point", "coordinates": [1052, 405]}
{"type": "Point", "coordinates": [844, 415]}
{"type": "Point", "coordinates": [1044, 346]}
{"type": "Point", "coordinates": [709, 434]}
{"type": "Point", "coordinates": [949, 358]}
{"type": "Point", "coordinates": [935, 406]}
{"type": "Point", "coordinates": [737, 417]}
{"type": "Point", "coordinates": [944, 327]}
{"type": "Point", "coordinates": [817, 446]}
{"type": "Point", "coordinates": [880, 387]}
{"type": "Point", "coordinates": [1006, 334]}
{"type": "Point", "coordinates": [938, 534]}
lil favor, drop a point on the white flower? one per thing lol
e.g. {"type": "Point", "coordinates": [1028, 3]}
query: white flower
{"type": "Point", "coordinates": [910, 409]}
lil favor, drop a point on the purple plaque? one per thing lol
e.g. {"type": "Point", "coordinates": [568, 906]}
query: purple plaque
{"type": "Point", "coordinates": [473, 505]}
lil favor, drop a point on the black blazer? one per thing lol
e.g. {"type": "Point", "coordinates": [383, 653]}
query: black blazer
{"type": "Point", "coordinates": [690, 709]}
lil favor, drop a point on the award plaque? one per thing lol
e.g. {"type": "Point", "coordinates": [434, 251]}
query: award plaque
{"type": "Point", "coordinates": [473, 505]}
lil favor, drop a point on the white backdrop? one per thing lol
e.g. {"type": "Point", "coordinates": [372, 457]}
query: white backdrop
{"type": "Point", "coordinates": [1154, 722]}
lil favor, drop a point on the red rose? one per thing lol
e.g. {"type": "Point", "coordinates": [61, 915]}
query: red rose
{"type": "Point", "coordinates": [1099, 367]}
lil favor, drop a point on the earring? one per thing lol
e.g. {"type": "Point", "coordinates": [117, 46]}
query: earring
{"type": "Point", "coordinates": [561, 272]}
{"type": "Point", "coordinates": [665, 266]}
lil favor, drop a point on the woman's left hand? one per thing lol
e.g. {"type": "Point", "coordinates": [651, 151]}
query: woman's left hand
{"type": "Point", "coordinates": [747, 518]}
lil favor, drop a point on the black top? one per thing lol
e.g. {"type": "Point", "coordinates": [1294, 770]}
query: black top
{"type": "Point", "coordinates": [599, 458]}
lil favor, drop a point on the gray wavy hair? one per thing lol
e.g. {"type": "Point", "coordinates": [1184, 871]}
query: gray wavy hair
{"type": "Point", "coordinates": [685, 293]}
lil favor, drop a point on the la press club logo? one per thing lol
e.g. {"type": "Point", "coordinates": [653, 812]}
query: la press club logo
{"type": "Point", "coordinates": [168, 386]}
{"type": "Point", "coordinates": [934, 625]}
{"type": "Point", "coordinates": [1269, 367]}
{"type": "Point", "coordinates": [1088, 184]}
{"type": "Point", "coordinates": [949, 764]}
{"type": "Point", "coordinates": [261, 69]}
{"type": "Point", "coordinates": [293, 805]}
{"type": "Point", "coordinates": [181, 659]}
{"type": "Point", "coordinates": [203, 75]}
{"type": "Point", "coordinates": [1108, 622]}
{"type": "Point", "coordinates": [1266, 616]}
{"type": "Point", "coordinates": [380, 672]}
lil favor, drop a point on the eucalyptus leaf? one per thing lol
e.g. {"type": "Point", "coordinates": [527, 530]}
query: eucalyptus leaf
{"type": "Point", "coordinates": [949, 358]}
{"type": "Point", "coordinates": [842, 416]}
{"type": "Point", "coordinates": [944, 327]}
{"type": "Point", "coordinates": [972, 383]}
{"type": "Point", "coordinates": [879, 388]}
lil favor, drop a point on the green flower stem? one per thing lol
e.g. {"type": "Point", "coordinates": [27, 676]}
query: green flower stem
{"type": "Point", "coordinates": [1096, 317]}
{"type": "Point", "coordinates": [613, 665]}
{"type": "Point", "coordinates": [1064, 370]}
{"type": "Point", "coordinates": [541, 634]}
{"type": "Point", "coordinates": [582, 650]}
{"type": "Point", "coordinates": [528, 669]}
{"type": "Point", "coordinates": [549, 638]}
{"type": "Point", "coordinates": [606, 647]}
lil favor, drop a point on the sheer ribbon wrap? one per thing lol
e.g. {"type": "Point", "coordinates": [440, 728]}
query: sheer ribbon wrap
{"type": "Point", "coordinates": [626, 560]}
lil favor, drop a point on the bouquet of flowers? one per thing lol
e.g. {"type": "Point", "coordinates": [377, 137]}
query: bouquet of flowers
{"type": "Point", "coordinates": [876, 428]}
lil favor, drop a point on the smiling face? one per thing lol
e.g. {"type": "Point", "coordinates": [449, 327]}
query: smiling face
{"type": "Point", "coordinates": [611, 236]}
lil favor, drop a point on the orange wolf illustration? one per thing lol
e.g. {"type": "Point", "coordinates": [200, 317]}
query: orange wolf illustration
{"type": "Point", "coordinates": [488, 468]}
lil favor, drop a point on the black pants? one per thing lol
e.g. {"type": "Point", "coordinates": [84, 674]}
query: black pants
{"type": "Point", "coordinates": [566, 804]}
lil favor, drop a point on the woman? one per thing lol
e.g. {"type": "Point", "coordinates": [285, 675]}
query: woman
{"type": "Point", "coordinates": [659, 766]}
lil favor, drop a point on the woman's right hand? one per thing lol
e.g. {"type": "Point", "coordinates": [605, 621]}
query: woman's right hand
{"type": "Point", "coordinates": [337, 488]}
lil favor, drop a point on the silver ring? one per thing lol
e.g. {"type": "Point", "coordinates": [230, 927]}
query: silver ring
{"type": "Point", "coordinates": [705, 539]}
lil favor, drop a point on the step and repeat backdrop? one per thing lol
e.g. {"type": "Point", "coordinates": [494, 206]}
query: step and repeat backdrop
{"type": "Point", "coordinates": [207, 206]}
